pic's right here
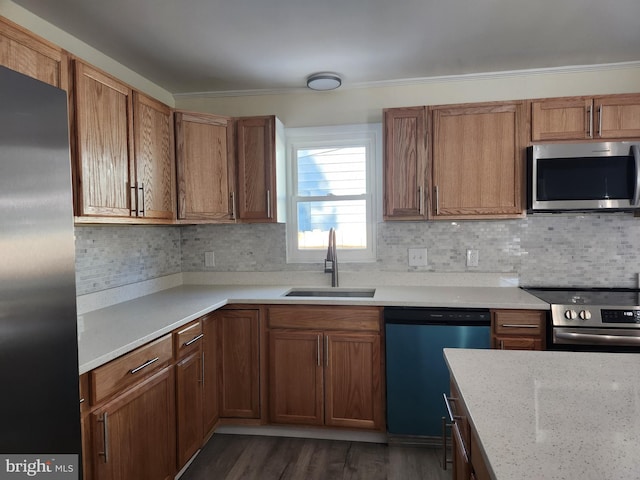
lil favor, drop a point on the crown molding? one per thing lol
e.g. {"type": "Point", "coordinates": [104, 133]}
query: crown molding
{"type": "Point", "coordinates": [571, 69]}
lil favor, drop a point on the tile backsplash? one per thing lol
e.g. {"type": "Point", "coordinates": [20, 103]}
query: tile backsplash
{"type": "Point", "coordinates": [553, 250]}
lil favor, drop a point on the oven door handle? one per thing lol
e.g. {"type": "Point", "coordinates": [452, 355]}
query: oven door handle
{"type": "Point", "coordinates": [636, 155]}
{"type": "Point", "coordinates": [597, 339]}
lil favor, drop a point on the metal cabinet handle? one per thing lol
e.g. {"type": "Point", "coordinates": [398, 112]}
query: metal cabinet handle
{"type": "Point", "coordinates": [501, 344]}
{"type": "Point", "coordinates": [318, 350]}
{"type": "Point", "coordinates": [326, 351]}
{"type": "Point", "coordinates": [448, 405]}
{"type": "Point", "coordinates": [600, 121]}
{"type": "Point", "coordinates": [269, 203]}
{"type": "Point", "coordinates": [590, 113]}
{"type": "Point", "coordinates": [193, 340]}
{"type": "Point", "coordinates": [82, 400]}
{"type": "Point", "coordinates": [233, 205]}
{"type": "Point", "coordinates": [141, 191]}
{"type": "Point", "coordinates": [524, 325]}
{"type": "Point", "coordinates": [105, 437]}
{"type": "Point", "coordinates": [202, 379]}
{"type": "Point", "coordinates": [420, 201]}
{"type": "Point", "coordinates": [133, 200]}
{"type": "Point", "coordinates": [144, 365]}
{"type": "Point", "coordinates": [463, 448]}
{"type": "Point", "coordinates": [437, 200]}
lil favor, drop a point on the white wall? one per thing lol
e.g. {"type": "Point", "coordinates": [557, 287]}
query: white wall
{"type": "Point", "coordinates": [364, 105]}
{"type": "Point", "coordinates": [49, 32]}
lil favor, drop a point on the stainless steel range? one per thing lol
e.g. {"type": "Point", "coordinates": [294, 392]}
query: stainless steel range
{"type": "Point", "coordinates": [601, 319]}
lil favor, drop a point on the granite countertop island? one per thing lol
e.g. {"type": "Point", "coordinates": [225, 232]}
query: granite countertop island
{"type": "Point", "coordinates": [107, 333]}
{"type": "Point", "coordinates": [552, 415]}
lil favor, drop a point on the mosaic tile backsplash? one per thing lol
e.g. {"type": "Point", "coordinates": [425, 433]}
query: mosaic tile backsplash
{"type": "Point", "coordinates": [552, 250]}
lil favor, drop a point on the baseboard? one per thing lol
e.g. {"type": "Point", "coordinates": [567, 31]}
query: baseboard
{"type": "Point", "coordinates": [304, 432]}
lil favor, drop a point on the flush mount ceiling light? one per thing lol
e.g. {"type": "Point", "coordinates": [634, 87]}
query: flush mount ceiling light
{"type": "Point", "coordinates": [324, 81]}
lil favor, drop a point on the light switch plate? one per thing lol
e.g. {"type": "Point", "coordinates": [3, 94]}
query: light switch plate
{"type": "Point", "coordinates": [473, 256]}
{"type": "Point", "coordinates": [209, 259]}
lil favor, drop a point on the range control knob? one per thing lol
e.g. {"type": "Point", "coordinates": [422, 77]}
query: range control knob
{"type": "Point", "coordinates": [570, 314]}
{"type": "Point", "coordinates": [585, 314]}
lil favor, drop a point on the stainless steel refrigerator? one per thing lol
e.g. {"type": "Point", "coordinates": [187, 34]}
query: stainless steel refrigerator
{"type": "Point", "coordinates": [39, 400]}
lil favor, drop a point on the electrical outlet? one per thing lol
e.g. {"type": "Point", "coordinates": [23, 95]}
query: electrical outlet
{"type": "Point", "coordinates": [417, 257]}
{"type": "Point", "coordinates": [473, 256]}
{"type": "Point", "coordinates": [209, 259]}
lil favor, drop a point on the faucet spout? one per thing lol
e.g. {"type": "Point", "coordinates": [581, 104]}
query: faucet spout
{"type": "Point", "coordinates": [331, 262]}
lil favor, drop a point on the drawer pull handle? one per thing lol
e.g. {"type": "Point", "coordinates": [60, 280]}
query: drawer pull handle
{"type": "Point", "coordinates": [144, 365]}
{"type": "Point", "coordinates": [193, 340]}
{"type": "Point", "coordinates": [448, 405]}
{"type": "Point", "coordinates": [463, 448]}
{"type": "Point", "coordinates": [524, 325]}
{"type": "Point", "coordinates": [105, 437]}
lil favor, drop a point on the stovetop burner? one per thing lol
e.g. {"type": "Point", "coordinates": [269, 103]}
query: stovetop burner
{"type": "Point", "coordinates": [623, 297]}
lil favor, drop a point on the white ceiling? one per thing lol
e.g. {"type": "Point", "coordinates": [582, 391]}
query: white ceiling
{"type": "Point", "coordinates": [220, 45]}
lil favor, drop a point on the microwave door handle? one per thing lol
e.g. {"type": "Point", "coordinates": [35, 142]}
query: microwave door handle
{"type": "Point", "coordinates": [635, 149]}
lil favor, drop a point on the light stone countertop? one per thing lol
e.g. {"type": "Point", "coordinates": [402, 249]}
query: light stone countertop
{"type": "Point", "coordinates": [553, 415]}
{"type": "Point", "coordinates": [107, 333]}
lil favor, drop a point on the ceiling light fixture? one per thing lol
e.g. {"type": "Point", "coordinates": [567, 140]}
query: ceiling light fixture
{"type": "Point", "coordinates": [324, 81]}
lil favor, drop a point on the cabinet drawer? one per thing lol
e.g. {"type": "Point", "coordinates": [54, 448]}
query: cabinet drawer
{"type": "Point", "coordinates": [187, 339]}
{"type": "Point", "coordinates": [518, 322]}
{"type": "Point", "coordinates": [325, 318]}
{"type": "Point", "coordinates": [130, 368]}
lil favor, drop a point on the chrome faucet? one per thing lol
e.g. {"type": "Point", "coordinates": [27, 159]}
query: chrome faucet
{"type": "Point", "coordinates": [331, 262]}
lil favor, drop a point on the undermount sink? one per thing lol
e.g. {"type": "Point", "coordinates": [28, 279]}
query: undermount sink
{"type": "Point", "coordinates": [331, 292]}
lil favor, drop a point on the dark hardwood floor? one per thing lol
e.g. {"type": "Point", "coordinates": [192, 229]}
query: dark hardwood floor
{"type": "Point", "coordinates": [246, 457]}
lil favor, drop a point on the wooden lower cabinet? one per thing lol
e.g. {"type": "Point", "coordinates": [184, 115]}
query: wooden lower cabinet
{"type": "Point", "coordinates": [518, 329]}
{"type": "Point", "coordinates": [325, 377]}
{"type": "Point", "coordinates": [189, 392]}
{"type": "Point", "coordinates": [239, 362]}
{"type": "Point", "coordinates": [210, 390]}
{"type": "Point", "coordinates": [134, 433]}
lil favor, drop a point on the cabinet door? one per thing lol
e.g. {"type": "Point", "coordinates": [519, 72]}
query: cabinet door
{"type": "Point", "coordinates": [103, 125]}
{"type": "Point", "coordinates": [562, 119]}
{"type": "Point", "coordinates": [210, 402]}
{"type": "Point", "coordinates": [256, 169]}
{"type": "Point", "coordinates": [295, 377]}
{"type": "Point", "coordinates": [353, 390]}
{"type": "Point", "coordinates": [617, 116]}
{"type": "Point", "coordinates": [405, 163]}
{"type": "Point", "coordinates": [189, 406]}
{"type": "Point", "coordinates": [134, 434]}
{"type": "Point", "coordinates": [238, 350]}
{"type": "Point", "coordinates": [154, 160]}
{"type": "Point", "coordinates": [478, 154]}
{"type": "Point", "coordinates": [205, 172]}
{"type": "Point", "coordinates": [23, 52]}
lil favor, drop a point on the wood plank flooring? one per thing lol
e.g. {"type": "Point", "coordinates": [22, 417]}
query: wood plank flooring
{"type": "Point", "coordinates": [246, 457]}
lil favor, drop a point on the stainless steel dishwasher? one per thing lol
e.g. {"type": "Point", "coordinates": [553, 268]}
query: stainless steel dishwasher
{"type": "Point", "coordinates": [416, 371]}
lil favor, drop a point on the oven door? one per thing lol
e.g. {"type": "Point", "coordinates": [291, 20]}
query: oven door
{"type": "Point", "coordinates": [596, 339]}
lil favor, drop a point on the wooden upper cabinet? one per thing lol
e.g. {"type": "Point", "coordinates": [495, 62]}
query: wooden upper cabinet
{"type": "Point", "coordinates": [585, 118]}
{"type": "Point", "coordinates": [104, 126]}
{"type": "Point", "coordinates": [205, 168]}
{"type": "Point", "coordinates": [155, 177]}
{"type": "Point", "coordinates": [405, 163]}
{"type": "Point", "coordinates": [478, 159]}
{"type": "Point", "coordinates": [22, 51]}
{"type": "Point", "coordinates": [256, 183]}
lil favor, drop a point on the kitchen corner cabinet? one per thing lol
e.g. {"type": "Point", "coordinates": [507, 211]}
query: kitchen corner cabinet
{"type": "Point", "coordinates": [518, 329]}
{"type": "Point", "coordinates": [256, 168]}
{"type": "Point", "coordinates": [405, 163]}
{"type": "Point", "coordinates": [22, 51]}
{"type": "Point", "coordinates": [478, 158]}
{"type": "Point", "coordinates": [205, 167]}
{"type": "Point", "coordinates": [239, 362]}
{"type": "Point", "coordinates": [115, 181]}
{"type": "Point", "coordinates": [189, 391]}
{"type": "Point", "coordinates": [325, 366]}
{"type": "Point", "coordinates": [210, 390]}
{"type": "Point", "coordinates": [607, 117]}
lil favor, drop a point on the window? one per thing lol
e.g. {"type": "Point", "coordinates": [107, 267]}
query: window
{"type": "Point", "coordinates": [331, 175]}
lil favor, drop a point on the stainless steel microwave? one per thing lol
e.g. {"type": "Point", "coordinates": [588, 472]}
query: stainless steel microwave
{"type": "Point", "coordinates": [583, 177]}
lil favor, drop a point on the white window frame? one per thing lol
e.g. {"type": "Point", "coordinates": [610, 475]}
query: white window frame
{"type": "Point", "coordinates": [369, 135]}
